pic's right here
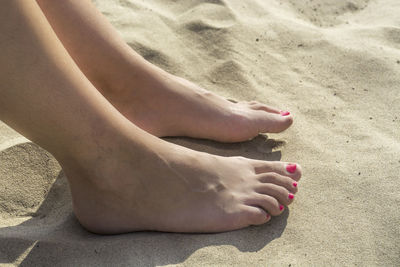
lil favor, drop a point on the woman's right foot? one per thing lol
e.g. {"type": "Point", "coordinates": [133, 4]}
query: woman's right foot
{"type": "Point", "coordinates": [154, 185]}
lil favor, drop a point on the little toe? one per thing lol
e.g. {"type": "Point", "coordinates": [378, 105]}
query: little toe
{"type": "Point", "coordinates": [292, 170]}
{"type": "Point", "coordinates": [257, 216]}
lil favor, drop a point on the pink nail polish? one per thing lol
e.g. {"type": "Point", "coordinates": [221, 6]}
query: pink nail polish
{"type": "Point", "coordinates": [281, 207]}
{"type": "Point", "coordinates": [285, 113]}
{"type": "Point", "coordinates": [291, 196]}
{"type": "Point", "coordinates": [268, 216]}
{"type": "Point", "coordinates": [291, 168]}
{"type": "Point", "coordinates": [294, 184]}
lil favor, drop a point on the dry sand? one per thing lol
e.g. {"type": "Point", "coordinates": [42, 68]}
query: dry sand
{"type": "Point", "coordinates": [334, 64]}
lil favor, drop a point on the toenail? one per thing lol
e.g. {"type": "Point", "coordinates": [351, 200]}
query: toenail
{"type": "Point", "coordinates": [291, 168]}
{"type": "Point", "coordinates": [268, 216]}
{"type": "Point", "coordinates": [281, 207]}
{"type": "Point", "coordinates": [285, 113]}
{"type": "Point", "coordinates": [291, 196]}
{"type": "Point", "coordinates": [294, 184]}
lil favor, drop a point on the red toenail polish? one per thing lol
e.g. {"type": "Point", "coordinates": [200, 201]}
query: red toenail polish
{"type": "Point", "coordinates": [268, 216]}
{"type": "Point", "coordinates": [285, 113]}
{"type": "Point", "coordinates": [281, 207]}
{"type": "Point", "coordinates": [291, 168]}
{"type": "Point", "coordinates": [291, 196]}
{"type": "Point", "coordinates": [294, 184]}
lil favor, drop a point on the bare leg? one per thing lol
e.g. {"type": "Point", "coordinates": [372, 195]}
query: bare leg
{"type": "Point", "coordinates": [160, 103]}
{"type": "Point", "coordinates": [122, 178]}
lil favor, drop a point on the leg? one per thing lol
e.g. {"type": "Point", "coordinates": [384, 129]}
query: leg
{"type": "Point", "coordinates": [160, 103]}
{"type": "Point", "coordinates": [122, 178]}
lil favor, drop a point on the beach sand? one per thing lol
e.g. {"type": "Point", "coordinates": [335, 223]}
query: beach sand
{"type": "Point", "coordinates": [334, 64]}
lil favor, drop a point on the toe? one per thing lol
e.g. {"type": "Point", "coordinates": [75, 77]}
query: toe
{"type": "Point", "coordinates": [274, 178]}
{"type": "Point", "coordinates": [258, 106]}
{"type": "Point", "coordinates": [268, 203]}
{"type": "Point", "coordinates": [257, 216]}
{"type": "Point", "coordinates": [280, 193]}
{"type": "Point", "coordinates": [270, 122]}
{"type": "Point", "coordinates": [292, 170]}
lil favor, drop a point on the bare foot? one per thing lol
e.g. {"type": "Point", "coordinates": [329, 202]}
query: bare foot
{"type": "Point", "coordinates": [160, 103]}
{"type": "Point", "coordinates": [154, 185]}
{"type": "Point", "coordinates": [166, 105]}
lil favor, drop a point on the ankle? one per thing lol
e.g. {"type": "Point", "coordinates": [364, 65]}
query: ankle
{"type": "Point", "coordinates": [108, 145]}
{"type": "Point", "coordinates": [131, 72]}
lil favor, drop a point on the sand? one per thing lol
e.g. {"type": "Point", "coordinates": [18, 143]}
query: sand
{"type": "Point", "coordinates": [334, 64]}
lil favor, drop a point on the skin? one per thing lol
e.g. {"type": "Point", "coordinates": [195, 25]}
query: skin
{"type": "Point", "coordinates": [121, 177]}
{"type": "Point", "coordinates": [156, 101]}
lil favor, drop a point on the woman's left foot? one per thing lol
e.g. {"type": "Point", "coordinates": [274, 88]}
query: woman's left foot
{"type": "Point", "coordinates": [167, 105]}
{"type": "Point", "coordinates": [158, 102]}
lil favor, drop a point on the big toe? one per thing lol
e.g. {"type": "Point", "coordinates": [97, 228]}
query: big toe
{"type": "Point", "coordinates": [271, 122]}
